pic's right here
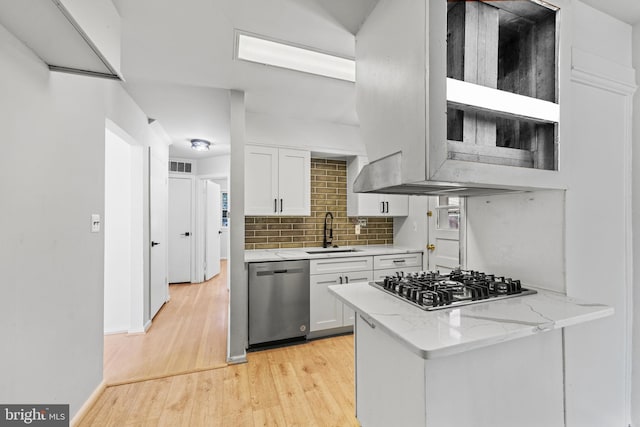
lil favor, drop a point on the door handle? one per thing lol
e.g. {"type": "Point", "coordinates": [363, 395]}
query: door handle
{"type": "Point", "coordinates": [187, 234]}
{"type": "Point", "coordinates": [154, 243]}
{"type": "Point", "coordinates": [431, 247]}
{"type": "Point", "coordinates": [219, 231]}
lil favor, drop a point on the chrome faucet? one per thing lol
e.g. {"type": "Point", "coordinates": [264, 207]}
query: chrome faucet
{"type": "Point", "coordinates": [328, 240]}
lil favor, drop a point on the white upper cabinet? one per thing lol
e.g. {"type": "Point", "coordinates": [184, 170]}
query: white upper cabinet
{"type": "Point", "coordinates": [463, 97]}
{"type": "Point", "coordinates": [372, 205]}
{"type": "Point", "coordinates": [277, 181]}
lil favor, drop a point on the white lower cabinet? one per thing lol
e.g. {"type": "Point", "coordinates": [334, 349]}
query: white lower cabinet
{"type": "Point", "coordinates": [326, 312]}
{"type": "Point", "coordinates": [516, 383]}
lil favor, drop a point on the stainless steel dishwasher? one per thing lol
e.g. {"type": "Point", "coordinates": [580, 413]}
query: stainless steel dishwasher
{"type": "Point", "coordinates": [278, 300]}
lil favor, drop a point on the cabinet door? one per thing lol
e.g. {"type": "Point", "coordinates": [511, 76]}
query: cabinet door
{"type": "Point", "coordinates": [396, 205]}
{"type": "Point", "coordinates": [325, 311]}
{"type": "Point", "coordinates": [348, 315]}
{"type": "Point", "coordinates": [261, 181]}
{"type": "Point", "coordinates": [294, 183]}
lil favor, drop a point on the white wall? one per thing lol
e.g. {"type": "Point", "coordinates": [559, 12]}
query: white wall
{"type": "Point", "coordinates": [412, 231]}
{"type": "Point", "coordinates": [312, 135]}
{"type": "Point", "coordinates": [636, 238]}
{"type": "Point", "coordinates": [117, 235]}
{"type": "Point", "coordinates": [519, 236]}
{"type": "Point", "coordinates": [217, 166]}
{"type": "Point", "coordinates": [52, 298]}
{"type": "Point", "coordinates": [238, 290]}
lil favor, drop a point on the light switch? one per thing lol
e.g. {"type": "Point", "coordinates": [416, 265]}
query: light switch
{"type": "Point", "coordinates": [357, 228]}
{"type": "Point", "coordinates": [95, 223]}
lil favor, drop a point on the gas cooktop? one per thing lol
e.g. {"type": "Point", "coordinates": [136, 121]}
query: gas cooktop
{"type": "Point", "coordinates": [430, 290]}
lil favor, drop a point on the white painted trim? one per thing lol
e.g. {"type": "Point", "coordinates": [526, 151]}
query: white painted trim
{"type": "Point", "coordinates": [88, 404]}
{"type": "Point", "coordinates": [600, 73]}
{"type": "Point", "coordinates": [628, 250]}
{"type": "Point", "coordinates": [123, 331]}
{"type": "Point", "coordinates": [594, 71]}
{"type": "Point", "coordinates": [462, 94]}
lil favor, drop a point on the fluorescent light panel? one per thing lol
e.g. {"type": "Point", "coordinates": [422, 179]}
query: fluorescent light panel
{"type": "Point", "coordinates": [268, 52]}
{"type": "Point", "coordinates": [485, 98]}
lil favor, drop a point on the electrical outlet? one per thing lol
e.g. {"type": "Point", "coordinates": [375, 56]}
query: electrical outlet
{"type": "Point", "coordinates": [362, 222]}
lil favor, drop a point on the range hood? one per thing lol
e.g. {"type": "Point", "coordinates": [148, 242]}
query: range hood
{"type": "Point", "coordinates": [385, 176]}
{"type": "Point", "coordinates": [75, 36]}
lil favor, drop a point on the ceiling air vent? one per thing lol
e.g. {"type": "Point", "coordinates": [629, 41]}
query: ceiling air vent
{"type": "Point", "coordinates": [179, 167]}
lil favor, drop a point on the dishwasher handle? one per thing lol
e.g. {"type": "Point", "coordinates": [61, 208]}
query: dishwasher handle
{"type": "Point", "coordinates": [272, 272]}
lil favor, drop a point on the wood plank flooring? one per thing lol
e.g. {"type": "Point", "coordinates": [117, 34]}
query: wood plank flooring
{"type": "Point", "coordinates": [188, 334]}
{"type": "Point", "coordinates": [310, 384]}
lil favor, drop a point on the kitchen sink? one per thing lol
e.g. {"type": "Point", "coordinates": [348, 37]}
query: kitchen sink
{"type": "Point", "coordinates": [332, 250]}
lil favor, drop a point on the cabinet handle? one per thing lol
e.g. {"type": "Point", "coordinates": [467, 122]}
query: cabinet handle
{"type": "Point", "coordinates": [347, 279]}
{"type": "Point", "coordinates": [387, 205]}
{"type": "Point", "coordinates": [280, 205]}
{"type": "Point", "coordinates": [381, 207]}
{"type": "Point", "coordinates": [275, 205]}
{"type": "Point", "coordinates": [399, 261]}
{"type": "Point", "coordinates": [341, 280]}
{"type": "Point", "coordinates": [368, 322]}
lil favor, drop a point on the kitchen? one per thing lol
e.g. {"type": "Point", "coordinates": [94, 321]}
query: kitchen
{"type": "Point", "coordinates": [600, 133]}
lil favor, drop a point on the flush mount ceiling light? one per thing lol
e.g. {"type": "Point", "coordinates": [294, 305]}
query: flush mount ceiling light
{"type": "Point", "coordinates": [262, 51]}
{"type": "Point", "coordinates": [200, 144]}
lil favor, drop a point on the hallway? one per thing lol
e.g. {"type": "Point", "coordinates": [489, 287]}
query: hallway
{"type": "Point", "coordinates": [189, 334]}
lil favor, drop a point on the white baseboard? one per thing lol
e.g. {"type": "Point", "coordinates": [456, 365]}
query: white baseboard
{"type": "Point", "coordinates": [234, 360]}
{"type": "Point", "coordinates": [124, 331]}
{"type": "Point", "coordinates": [143, 330]}
{"type": "Point", "coordinates": [88, 404]}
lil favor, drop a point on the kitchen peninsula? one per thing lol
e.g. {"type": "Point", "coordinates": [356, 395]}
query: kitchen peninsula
{"type": "Point", "coordinates": [492, 364]}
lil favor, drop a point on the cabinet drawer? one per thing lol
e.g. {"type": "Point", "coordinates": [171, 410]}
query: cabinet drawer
{"type": "Point", "coordinates": [381, 262]}
{"type": "Point", "coordinates": [341, 265]}
{"type": "Point", "coordinates": [381, 274]}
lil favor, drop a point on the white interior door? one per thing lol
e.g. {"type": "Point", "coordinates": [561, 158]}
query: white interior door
{"type": "Point", "coordinates": [158, 223]}
{"type": "Point", "coordinates": [444, 233]}
{"type": "Point", "coordinates": [213, 226]}
{"type": "Point", "coordinates": [180, 232]}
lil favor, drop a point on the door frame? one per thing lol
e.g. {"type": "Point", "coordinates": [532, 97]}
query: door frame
{"type": "Point", "coordinates": [200, 208]}
{"type": "Point", "coordinates": [137, 298]}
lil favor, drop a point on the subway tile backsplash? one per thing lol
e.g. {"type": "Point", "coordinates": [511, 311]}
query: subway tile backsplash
{"type": "Point", "coordinates": [328, 194]}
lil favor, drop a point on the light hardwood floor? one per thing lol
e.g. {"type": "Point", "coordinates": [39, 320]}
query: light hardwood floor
{"type": "Point", "coordinates": [188, 334]}
{"type": "Point", "coordinates": [310, 384]}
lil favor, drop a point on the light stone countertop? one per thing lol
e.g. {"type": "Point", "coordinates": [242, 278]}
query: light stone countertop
{"type": "Point", "coordinates": [433, 334]}
{"type": "Point", "coordinates": [301, 253]}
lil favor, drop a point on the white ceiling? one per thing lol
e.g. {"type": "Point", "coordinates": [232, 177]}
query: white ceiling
{"type": "Point", "coordinates": [178, 55]}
